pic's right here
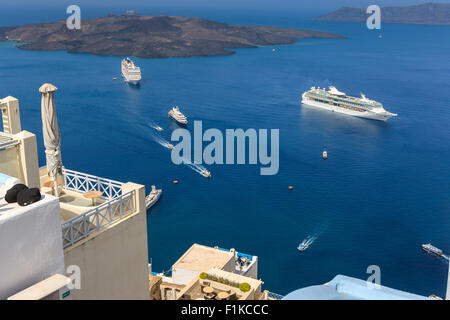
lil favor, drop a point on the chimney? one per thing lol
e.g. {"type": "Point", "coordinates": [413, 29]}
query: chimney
{"type": "Point", "coordinates": [9, 107]}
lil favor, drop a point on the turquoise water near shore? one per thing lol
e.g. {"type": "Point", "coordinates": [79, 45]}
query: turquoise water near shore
{"type": "Point", "coordinates": [382, 192]}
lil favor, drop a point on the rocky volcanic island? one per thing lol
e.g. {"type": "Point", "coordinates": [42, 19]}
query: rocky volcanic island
{"type": "Point", "coordinates": [427, 13]}
{"type": "Point", "coordinates": [152, 36]}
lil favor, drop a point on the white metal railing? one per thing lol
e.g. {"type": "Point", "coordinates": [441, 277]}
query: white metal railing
{"type": "Point", "coordinates": [91, 221]}
{"type": "Point", "coordinates": [82, 182]}
{"type": "Point", "coordinates": [7, 140]}
{"type": "Point", "coordinates": [275, 295]}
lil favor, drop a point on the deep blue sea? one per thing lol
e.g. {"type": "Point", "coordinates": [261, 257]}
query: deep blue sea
{"type": "Point", "coordinates": [383, 191]}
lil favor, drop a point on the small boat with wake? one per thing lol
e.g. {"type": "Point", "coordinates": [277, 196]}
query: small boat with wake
{"type": "Point", "coordinates": [152, 197]}
{"type": "Point", "coordinates": [206, 173]}
{"type": "Point", "coordinates": [303, 246]}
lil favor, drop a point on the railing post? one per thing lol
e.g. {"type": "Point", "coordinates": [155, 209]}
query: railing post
{"type": "Point", "coordinates": [138, 198]}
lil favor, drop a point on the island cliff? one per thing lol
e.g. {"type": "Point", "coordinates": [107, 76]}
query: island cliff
{"type": "Point", "coordinates": [428, 13]}
{"type": "Point", "coordinates": [152, 36]}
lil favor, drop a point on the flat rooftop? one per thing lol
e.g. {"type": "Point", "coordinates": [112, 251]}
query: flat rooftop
{"type": "Point", "coordinates": [202, 258]}
{"type": "Point", "coordinates": [13, 210]}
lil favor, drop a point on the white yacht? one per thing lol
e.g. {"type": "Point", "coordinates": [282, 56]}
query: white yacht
{"type": "Point", "coordinates": [152, 197]}
{"type": "Point", "coordinates": [176, 115]}
{"type": "Point", "coordinates": [130, 72]}
{"type": "Point", "coordinates": [335, 100]}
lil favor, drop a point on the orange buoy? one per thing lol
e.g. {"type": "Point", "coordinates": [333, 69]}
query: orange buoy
{"type": "Point", "coordinates": [175, 181]}
{"type": "Point", "coordinates": [291, 187]}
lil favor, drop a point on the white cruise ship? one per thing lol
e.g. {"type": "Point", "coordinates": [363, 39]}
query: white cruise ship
{"type": "Point", "coordinates": [130, 72]}
{"type": "Point", "coordinates": [334, 100]}
{"type": "Point", "coordinates": [176, 115]}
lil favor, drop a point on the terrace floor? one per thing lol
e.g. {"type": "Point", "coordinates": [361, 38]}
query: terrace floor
{"type": "Point", "coordinates": [71, 203]}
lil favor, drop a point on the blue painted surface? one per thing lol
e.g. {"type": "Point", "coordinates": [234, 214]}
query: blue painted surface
{"type": "Point", "coordinates": [348, 288]}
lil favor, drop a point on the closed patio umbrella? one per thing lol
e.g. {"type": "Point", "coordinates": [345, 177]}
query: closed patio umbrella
{"type": "Point", "coordinates": [51, 133]}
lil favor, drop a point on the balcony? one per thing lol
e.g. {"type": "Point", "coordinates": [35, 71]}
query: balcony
{"type": "Point", "coordinates": [82, 217]}
{"type": "Point", "coordinates": [7, 140]}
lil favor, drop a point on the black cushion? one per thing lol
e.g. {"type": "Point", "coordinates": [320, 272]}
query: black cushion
{"type": "Point", "coordinates": [28, 196]}
{"type": "Point", "coordinates": [11, 194]}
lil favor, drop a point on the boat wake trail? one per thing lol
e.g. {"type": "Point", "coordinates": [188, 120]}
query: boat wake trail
{"type": "Point", "coordinates": [196, 167]}
{"type": "Point", "coordinates": [160, 140]}
{"type": "Point", "coordinates": [155, 126]}
{"type": "Point", "coordinates": [309, 240]}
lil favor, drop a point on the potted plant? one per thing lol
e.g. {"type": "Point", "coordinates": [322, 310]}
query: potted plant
{"type": "Point", "coordinates": [244, 287]}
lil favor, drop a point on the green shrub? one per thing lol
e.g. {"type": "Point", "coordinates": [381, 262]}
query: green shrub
{"type": "Point", "coordinates": [244, 287]}
{"type": "Point", "coordinates": [203, 275]}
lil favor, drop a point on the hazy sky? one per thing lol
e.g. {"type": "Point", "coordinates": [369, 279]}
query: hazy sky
{"type": "Point", "coordinates": [17, 12]}
{"type": "Point", "coordinates": [310, 5]}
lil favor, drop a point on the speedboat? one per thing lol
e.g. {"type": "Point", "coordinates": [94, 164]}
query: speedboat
{"type": "Point", "coordinates": [159, 128]}
{"type": "Point", "coordinates": [206, 174]}
{"type": "Point", "coordinates": [170, 146]}
{"type": "Point", "coordinates": [302, 246]}
{"type": "Point", "coordinates": [152, 197]}
{"type": "Point", "coordinates": [176, 115]}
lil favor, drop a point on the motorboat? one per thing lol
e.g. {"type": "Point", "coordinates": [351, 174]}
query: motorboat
{"type": "Point", "coordinates": [303, 246]}
{"type": "Point", "coordinates": [206, 174]}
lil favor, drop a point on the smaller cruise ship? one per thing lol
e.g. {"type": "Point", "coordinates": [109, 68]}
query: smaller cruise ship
{"type": "Point", "coordinates": [176, 115]}
{"type": "Point", "coordinates": [152, 197]}
{"type": "Point", "coordinates": [130, 72]}
{"type": "Point", "coordinates": [337, 101]}
{"type": "Point", "coordinates": [432, 249]}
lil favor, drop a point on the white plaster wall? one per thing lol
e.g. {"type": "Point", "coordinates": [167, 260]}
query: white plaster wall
{"type": "Point", "coordinates": [30, 244]}
{"type": "Point", "coordinates": [114, 263]}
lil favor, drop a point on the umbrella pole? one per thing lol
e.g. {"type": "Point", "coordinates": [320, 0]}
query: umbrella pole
{"type": "Point", "coordinates": [55, 181]}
